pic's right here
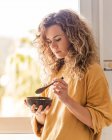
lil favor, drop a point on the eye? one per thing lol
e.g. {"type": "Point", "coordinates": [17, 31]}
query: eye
{"type": "Point", "coordinates": [57, 39]}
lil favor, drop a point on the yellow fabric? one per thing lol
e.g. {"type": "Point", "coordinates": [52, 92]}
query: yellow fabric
{"type": "Point", "coordinates": [93, 93]}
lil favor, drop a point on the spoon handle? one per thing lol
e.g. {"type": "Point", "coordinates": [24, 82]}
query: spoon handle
{"type": "Point", "coordinates": [40, 90]}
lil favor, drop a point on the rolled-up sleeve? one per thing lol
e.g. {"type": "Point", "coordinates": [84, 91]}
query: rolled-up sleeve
{"type": "Point", "coordinates": [98, 100]}
{"type": "Point", "coordinates": [36, 127]}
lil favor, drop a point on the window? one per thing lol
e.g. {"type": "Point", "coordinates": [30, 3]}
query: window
{"type": "Point", "coordinates": [19, 72]}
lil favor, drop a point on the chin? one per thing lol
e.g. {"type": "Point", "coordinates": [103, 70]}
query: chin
{"type": "Point", "coordinates": [59, 57]}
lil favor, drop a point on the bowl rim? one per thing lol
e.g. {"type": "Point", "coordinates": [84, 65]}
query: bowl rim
{"type": "Point", "coordinates": [35, 98]}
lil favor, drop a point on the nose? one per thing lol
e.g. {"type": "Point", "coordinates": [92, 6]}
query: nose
{"type": "Point", "coordinates": [53, 44]}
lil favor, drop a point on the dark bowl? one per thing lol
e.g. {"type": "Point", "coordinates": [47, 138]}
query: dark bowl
{"type": "Point", "coordinates": [44, 101]}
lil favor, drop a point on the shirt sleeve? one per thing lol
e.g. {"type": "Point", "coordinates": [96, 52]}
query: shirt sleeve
{"type": "Point", "coordinates": [98, 100]}
{"type": "Point", "coordinates": [36, 126]}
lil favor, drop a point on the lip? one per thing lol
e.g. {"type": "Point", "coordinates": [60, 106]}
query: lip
{"type": "Point", "coordinates": [57, 51]}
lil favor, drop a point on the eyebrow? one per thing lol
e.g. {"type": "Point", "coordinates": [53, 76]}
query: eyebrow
{"type": "Point", "coordinates": [54, 36]}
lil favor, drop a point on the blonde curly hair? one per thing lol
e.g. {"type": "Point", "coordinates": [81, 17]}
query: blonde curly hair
{"type": "Point", "coordinates": [83, 49]}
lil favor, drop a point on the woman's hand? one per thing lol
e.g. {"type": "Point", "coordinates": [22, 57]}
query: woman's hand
{"type": "Point", "coordinates": [39, 113]}
{"type": "Point", "coordinates": [60, 88]}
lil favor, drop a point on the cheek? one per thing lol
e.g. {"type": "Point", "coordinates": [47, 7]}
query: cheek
{"type": "Point", "coordinates": [66, 47]}
{"type": "Point", "coordinates": [66, 44]}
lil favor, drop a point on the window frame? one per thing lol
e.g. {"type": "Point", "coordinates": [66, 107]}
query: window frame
{"type": "Point", "coordinates": [15, 125]}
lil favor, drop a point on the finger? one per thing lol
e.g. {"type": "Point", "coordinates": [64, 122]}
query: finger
{"type": "Point", "coordinates": [40, 108]}
{"type": "Point", "coordinates": [45, 111]}
{"type": "Point", "coordinates": [58, 92]}
{"type": "Point", "coordinates": [33, 108]}
{"type": "Point", "coordinates": [47, 108]}
{"type": "Point", "coordinates": [25, 102]}
{"type": "Point", "coordinates": [60, 86]}
{"type": "Point", "coordinates": [60, 81]}
{"type": "Point", "coordinates": [39, 111]}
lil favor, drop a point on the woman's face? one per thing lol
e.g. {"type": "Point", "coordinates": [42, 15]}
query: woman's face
{"type": "Point", "coordinates": [57, 41]}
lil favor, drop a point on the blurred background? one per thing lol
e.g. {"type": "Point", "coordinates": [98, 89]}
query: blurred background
{"type": "Point", "coordinates": [19, 66]}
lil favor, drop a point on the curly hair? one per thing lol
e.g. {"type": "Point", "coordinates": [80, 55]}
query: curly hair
{"type": "Point", "coordinates": [83, 49]}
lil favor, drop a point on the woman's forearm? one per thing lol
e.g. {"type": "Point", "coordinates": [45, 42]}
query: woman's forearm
{"type": "Point", "coordinates": [80, 112]}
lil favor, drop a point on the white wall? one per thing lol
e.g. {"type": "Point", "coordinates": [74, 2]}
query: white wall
{"type": "Point", "coordinates": [99, 12]}
{"type": "Point", "coordinates": [107, 29]}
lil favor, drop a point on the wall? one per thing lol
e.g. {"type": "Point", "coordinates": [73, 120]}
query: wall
{"type": "Point", "coordinates": [98, 12]}
{"type": "Point", "coordinates": [107, 29]}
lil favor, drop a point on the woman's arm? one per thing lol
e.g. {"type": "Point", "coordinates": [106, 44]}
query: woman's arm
{"type": "Point", "coordinates": [80, 112]}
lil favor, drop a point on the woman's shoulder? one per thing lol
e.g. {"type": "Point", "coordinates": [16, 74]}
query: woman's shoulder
{"type": "Point", "coordinates": [95, 67]}
{"type": "Point", "coordinates": [95, 70]}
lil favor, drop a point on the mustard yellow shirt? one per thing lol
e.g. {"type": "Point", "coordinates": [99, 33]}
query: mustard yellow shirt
{"type": "Point", "coordinates": [91, 92]}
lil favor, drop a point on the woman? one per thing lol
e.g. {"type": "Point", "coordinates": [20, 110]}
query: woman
{"type": "Point", "coordinates": [81, 104]}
